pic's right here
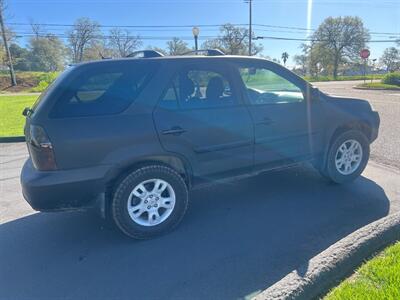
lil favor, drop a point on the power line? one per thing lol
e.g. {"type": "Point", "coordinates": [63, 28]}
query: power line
{"type": "Point", "coordinates": [314, 40]}
{"type": "Point", "coordinates": [293, 29]}
{"type": "Point", "coordinates": [125, 26]}
{"type": "Point", "coordinates": [189, 38]}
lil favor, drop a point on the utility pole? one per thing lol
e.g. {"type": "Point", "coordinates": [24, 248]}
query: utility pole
{"type": "Point", "coordinates": [250, 26]}
{"type": "Point", "coordinates": [3, 32]}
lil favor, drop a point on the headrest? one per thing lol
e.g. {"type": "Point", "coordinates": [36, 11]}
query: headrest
{"type": "Point", "coordinates": [186, 87]}
{"type": "Point", "coordinates": [215, 88]}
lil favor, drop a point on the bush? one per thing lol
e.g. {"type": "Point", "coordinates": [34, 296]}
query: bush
{"type": "Point", "coordinates": [44, 81]}
{"type": "Point", "coordinates": [392, 78]}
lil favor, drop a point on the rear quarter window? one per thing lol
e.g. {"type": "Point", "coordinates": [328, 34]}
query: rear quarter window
{"type": "Point", "coordinates": [101, 89]}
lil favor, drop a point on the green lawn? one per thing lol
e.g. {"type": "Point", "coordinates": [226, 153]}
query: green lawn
{"type": "Point", "coordinates": [377, 279]}
{"type": "Point", "coordinates": [344, 78]}
{"type": "Point", "coordinates": [11, 118]}
{"type": "Point", "coordinates": [379, 85]}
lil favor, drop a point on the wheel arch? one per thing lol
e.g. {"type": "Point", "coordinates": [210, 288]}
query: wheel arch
{"type": "Point", "coordinates": [180, 165]}
{"type": "Point", "coordinates": [360, 125]}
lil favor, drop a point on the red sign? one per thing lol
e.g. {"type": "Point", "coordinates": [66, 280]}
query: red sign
{"type": "Point", "coordinates": [364, 53]}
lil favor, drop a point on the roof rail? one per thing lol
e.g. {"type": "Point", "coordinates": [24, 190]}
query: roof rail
{"type": "Point", "coordinates": [208, 52]}
{"type": "Point", "coordinates": [145, 54]}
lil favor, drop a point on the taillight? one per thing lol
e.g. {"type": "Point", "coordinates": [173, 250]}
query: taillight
{"type": "Point", "coordinates": [41, 149]}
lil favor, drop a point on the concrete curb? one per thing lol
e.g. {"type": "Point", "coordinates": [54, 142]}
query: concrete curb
{"type": "Point", "coordinates": [325, 270]}
{"type": "Point", "coordinates": [12, 139]}
{"type": "Point", "coordinates": [374, 89]}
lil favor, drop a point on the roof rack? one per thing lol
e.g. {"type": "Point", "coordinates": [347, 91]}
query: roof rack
{"type": "Point", "coordinates": [208, 52]}
{"type": "Point", "coordinates": [145, 54]}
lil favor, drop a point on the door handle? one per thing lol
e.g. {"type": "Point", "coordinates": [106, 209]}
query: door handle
{"type": "Point", "coordinates": [266, 121]}
{"type": "Point", "coordinates": [176, 130]}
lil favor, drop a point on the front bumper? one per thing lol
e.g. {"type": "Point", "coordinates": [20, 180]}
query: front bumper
{"type": "Point", "coordinates": [62, 189]}
{"type": "Point", "coordinates": [375, 126]}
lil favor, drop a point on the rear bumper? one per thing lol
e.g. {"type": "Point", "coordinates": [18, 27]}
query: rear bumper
{"type": "Point", "coordinates": [62, 189]}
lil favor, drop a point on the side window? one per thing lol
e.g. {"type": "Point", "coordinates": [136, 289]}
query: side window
{"type": "Point", "coordinates": [171, 97]}
{"type": "Point", "coordinates": [266, 87]}
{"type": "Point", "coordinates": [198, 88]}
{"type": "Point", "coordinates": [100, 90]}
{"type": "Point", "coordinates": [94, 87]}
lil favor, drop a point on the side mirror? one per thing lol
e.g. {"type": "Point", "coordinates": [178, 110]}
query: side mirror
{"type": "Point", "coordinates": [27, 111]}
{"type": "Point", "coordinates": [312, 92]}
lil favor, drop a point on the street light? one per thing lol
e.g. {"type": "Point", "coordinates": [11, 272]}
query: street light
{"type": "Point", "coordinates": [196, 31]}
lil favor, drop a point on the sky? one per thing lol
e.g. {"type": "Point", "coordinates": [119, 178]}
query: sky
{"type": "Point", "coordinates": [379, 16]}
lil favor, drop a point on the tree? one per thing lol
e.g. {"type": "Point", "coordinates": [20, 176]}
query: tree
{"type": "Point", "coordinates": [177, 47]}
{"type": "Point", "coordinates": [342, 38]}
{"type": "Point", "coordinates": [285, 57]}
{"type": "Point", "coordinates": [318, 60]}
{"type": "Point", "coordinates": [122, 42]}
{"type": "Point", "coordinates": [301, 64]}
{"type": "Point", "coordinates": [5, 42]}
{"type": "Point", "coordinates": [37, 29]}
{"type": "Point", "coordinates": [20, 57]}
{"type": "Point", "coordinates": [46, 53]}
{"type": "Point", "coordinates": [233, 40]}
{"type": "Point", "coordinates": [83, 33]}
{"type": "Point", "coordinates": [391, 59]}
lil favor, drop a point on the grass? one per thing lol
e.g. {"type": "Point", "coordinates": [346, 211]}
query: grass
{"type": "Point", "coordinates": [11, 119]}
{"type": "Point", "coordinates": [377, 279]}
{"type": "Point", "coordinates": [344, 78]}
{"type": "Point", "coordinates": [379, 85]}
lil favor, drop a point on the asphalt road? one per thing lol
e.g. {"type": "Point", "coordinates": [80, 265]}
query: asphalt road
{"type": "Point", "coordinates": [235, 240]}
{"type": "Point", "coordinates": [386, 149]}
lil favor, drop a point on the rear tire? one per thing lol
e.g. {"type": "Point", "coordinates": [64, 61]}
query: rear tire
{"type": "Point", "coordinates": [149, 202]}
{"type": "Point", "coordinates": [347, 157]}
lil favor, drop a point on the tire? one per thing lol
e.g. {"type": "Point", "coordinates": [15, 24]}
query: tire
{"type": "Point", "coordinates": [137, 202]}
{"type": "Point", "coordinates": [340, 175]}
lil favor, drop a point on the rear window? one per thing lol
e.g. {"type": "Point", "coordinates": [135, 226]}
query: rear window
{"type": "Point", "coordinates": [101, 89]}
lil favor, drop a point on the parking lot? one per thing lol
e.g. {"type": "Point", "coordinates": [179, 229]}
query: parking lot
{"type": "Point", "coordinates": [236, 239]}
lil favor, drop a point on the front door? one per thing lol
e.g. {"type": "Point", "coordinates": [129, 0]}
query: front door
{"type": "Point", "coordinates": [284, 128]}
{"type": "Point", "coordinates": [201, 117]}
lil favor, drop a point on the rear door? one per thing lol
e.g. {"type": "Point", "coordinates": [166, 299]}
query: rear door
{"type": "Point", "coordinates": [201, 117]}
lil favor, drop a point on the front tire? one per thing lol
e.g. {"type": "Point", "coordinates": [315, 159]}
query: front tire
{"type": "Point", "coordinates": [347, 157]}
{"type": "Point", "coordinates": [149, 202]}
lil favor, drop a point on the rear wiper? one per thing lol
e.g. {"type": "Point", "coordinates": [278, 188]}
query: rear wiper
{"type": "Point", "coordinates": [27, 111]}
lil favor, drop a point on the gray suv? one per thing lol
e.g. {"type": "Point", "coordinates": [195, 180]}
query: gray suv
{"type": "Point", "coordinates": [132, 136]}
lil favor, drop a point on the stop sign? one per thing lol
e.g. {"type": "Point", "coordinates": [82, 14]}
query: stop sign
{"type": "Point", "coordinates": [364, 53]}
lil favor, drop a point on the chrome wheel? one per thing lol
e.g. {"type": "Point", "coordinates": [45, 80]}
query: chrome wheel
{"type": "Point", "coordinates": [348, 157]}
{"type": "Point", "coordinates": [151, 202]}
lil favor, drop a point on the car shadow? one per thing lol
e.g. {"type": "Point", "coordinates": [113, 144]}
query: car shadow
{"type": "Point", "coordinates": [236, 239]}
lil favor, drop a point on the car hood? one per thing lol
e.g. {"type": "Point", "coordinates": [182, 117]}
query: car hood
{"type": "Point", "coordinates": [347, 103]}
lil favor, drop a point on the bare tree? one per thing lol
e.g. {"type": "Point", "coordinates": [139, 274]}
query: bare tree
{"type": "Point", "coordinates": [177, 47]}
{"type": "Point", "coordinates": [37, 29]}
{"type": "Point", "coordinates": [233, 40]}
{"type": "Point", "coordinates": [122, 42]}
{"type": "Point", "coordinates": [5, 41]}
{"type": "Point", "coordinates": [81, 35]}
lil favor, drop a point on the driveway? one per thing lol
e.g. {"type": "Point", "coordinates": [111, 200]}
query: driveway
{"type": "Point", "coordinates": [235, 240]}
